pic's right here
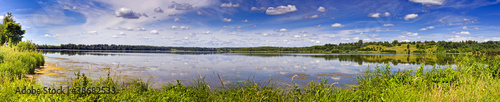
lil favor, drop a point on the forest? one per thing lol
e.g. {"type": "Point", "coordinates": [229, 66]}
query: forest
{"type": "Point", "coordinates": [354, 47]}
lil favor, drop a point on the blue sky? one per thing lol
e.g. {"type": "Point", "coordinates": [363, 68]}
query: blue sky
{"type": "Point", "coordinates": [243, 23]}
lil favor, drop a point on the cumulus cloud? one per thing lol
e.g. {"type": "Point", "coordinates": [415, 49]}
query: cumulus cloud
{"type": "Point", "coordinates": [281, 10]}
{"type": "Point", "coordinates": [465, 27]}
{"type": "Point", "coordinates": [199, 13]}
{"type": "Point", "coordinates": [429, 2]}
{"type": "Point", "coordinates": [430, 27]}
{"type": "Point", "coordinates": [411, 34]}
{"type": "Point", "coordinates": [427, 28]}
{"type": "Point", "coordinates": [336, 25]}
{"type": "Point", "coordinates": [374, 15]}
{"type": "Point", "coordinates": [282, 30]}
{"type": "Point", "coordinates": [411, 16]}
{"type": "Point", "coordinates": [297, 36]}
{"type": "Point", "coordinates": [244, 20]}
{"type": "Point", "coordinates": [387, 25]}
{"type": "Point", "coordinates": [153, 32]}
{"type": "Point", "coordinates": [158, 10]}
{"type": "Point", "coordinates": [321, 9]}
{"type": "Point", "coordinates": [184, 28]}
{"type": "Point", "coordinates": [258, 8]}
{"type": "Point", "coordinates": [462, 32]}
{"type": "Point", "coordinates": [387, 14]}
{"type": "Point", "coordinates": [178, 6]}
{"type": "Point", "coordinates": [127, 13]}
{"type": "Point", "coordinates": [227, 20]}
{"type": "Point", "coordinates": [177, 20]}
{"type": "Point", "coordinates": [229, 5]}
{"type": "Point", "coordinates": [47, 35]}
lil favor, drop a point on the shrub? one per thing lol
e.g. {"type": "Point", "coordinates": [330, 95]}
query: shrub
{"type": "Point", "coordinates": [26, 46]}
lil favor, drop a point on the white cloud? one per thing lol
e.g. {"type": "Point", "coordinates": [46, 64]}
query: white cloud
{"type": "Point", "coordinates": [121, 33]}
{"type": "Point", "coordinates": [177, 20]}
{"type": "Point", "coordinates": [173, 27]}
{"type": "Point", "coordinates": [47, 35]}
{"type": "Point", "coordinates": [153, 32]}
{"type": "Point", "coordinates": [229, 5]}
{"type": "Point", "coordinates": [321, 9]}
{"type": "Point", "coordinates": [281, 10]}
{"type": "Point", "coordinates": [90, 32]}
{"type": "Point", "coordinates": [430, 27]}
{"type": "Point", "coordinates": [465, 27]}
{"type": "Point", "coordinates": [317, 26]}
{"type": "Point", "coordinates": [184, 28]}
{"type": "Point", "coordinates": [476, 28]}
{"type": "Point", "coordinates": [429, 2]}
{"type": "Point", "coordinates": [258, 8]}
{"type": "Point", "coordinates": [411, 34]}
{"type": "Point", "coordinates": [238, 27]}
{"type": "Point", "coordinates": [283, 30]}
{"type": "Point", "coordinates": [313, 16]}
{"type": "Point", "coordinates": [297, 36]}
{"type": "Point", "coordinates": [158, 10]}
{"type": "Point", "coordinates": [427, 28]}
{"type": "Point", "coordinates": [374, 15]}
{"type": "Point", "coordinates": [199, 13]}
{"type": "Point", "coordinates": [207, 32]}
{"type": "Point", "coordinates": [387, 25]}
{"type": "Point", "coordinates": [336, 25]}
{"type": "Point", "coordinates": [227, 20]}
{"type": "Point", "coordinates": [387, 14]}
{"type": "Point", "coordinates": [127, 13]}
{"type": "Point", "coordinates": [183, 6]}
{"type": "Point", "coordinates": [411, 16]}
{"type": "Point", "coordinates": [463, 32]}
{"type": "Point", "coordinates": [244, 20]}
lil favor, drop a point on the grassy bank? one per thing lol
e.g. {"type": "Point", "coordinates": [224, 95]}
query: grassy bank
{"type": "Point", "coordinates": [20, 59]}
{"type": "Point", "coordinates": [476, 78]}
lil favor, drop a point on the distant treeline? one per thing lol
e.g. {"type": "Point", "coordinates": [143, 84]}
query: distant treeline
{"type": "Point", "coordinates": [391, 47]}
{"type": "Point", "coordinates": [386, 47]}
{"type": "Point", "coordinates": [129, 47]}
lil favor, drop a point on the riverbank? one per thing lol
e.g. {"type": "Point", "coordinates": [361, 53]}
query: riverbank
{"type": "Point", "coordinates": [474, 79]}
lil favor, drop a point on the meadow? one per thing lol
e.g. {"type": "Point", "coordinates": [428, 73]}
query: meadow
{"type": "Point", "coordinates": [475, 78]}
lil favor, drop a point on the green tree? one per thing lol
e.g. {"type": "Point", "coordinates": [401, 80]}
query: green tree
{"type": "Point", "coordinates": [10, 30]}
{"type": "Point", "coordinates": [395, 42]}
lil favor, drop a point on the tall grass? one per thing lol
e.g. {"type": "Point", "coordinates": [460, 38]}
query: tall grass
{"type": "Point", "coordinates": [475, 78]}
{"type": "Point", "coordinates": [20, 59]}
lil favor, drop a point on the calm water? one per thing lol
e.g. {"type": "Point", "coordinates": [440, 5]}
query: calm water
{"type": "Point", "coordinates": [165, 67]}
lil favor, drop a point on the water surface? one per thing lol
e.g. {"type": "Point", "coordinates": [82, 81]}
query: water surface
{"type": "Point", "coordinates": [278, 68]}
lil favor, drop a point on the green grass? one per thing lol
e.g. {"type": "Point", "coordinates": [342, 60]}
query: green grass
{"type": "Point", "coordinates": [476, 78]}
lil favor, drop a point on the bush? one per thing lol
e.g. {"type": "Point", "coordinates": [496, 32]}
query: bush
{"type": "Point", "coordinates": [26, 46]}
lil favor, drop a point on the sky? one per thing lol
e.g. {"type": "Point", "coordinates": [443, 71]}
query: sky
{"type": "Point", "coordinates": [251, 23]}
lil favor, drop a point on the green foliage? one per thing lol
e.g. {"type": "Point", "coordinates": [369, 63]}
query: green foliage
{"type": "Point", "coordinates": [10, 31]}
{"type": "Point", "coordinates": [20, 63]}
{"type": "Point", "coordinates": [26, 46]}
